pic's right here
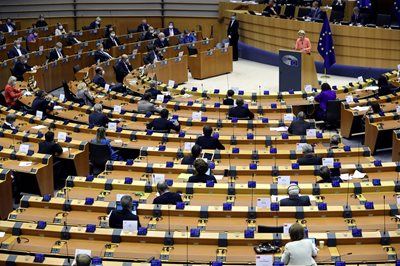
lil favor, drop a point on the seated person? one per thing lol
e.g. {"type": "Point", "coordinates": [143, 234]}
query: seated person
{"type": "Point", "coordinates": [207, 141]}
{"type": "Point", "coordinates": [161, 41]}
{"type": "Point", "coordinates": [2, 38]}
{"type": "Point", "coordinates": [100, 55]}
{"type": "Point", "coordinates": [59, 30]}
{"type": "Point", "coordinates": [316, 12]}
{"type": "Point", "coordinates": [9, 26]}
{"type": "Point", "coordinates": [12, 94]}
{"type": "Point", "coordinates": [150, 34]}
{"type": "Point", "coordinates": [294, 198]}
{"type": "Point", "coordinates": [20, 67]}
{"type": "Point", "coordinates": [171, 30]}
{"type": "Point", "coordinates": [49, 146]}
{"type": "Point", "coordinates": [112, 41]}
{"type": "Point", "coordinates": [101, 139]}
{"type": "Point", "coordinates": [32, 37]}
{"type": "Point", "coordinates": [334, 142]}
{"type": "Point", "coordinates": [384, 87]}
{"type": "Point", "coordinates": [325, 175]}
{"type": "Point", "coordinates": [327, 94]}
{"type": "Point", "coordinates": [117, 217]}
{"type": "Point", "coordinates": [122, 68]}
{"type": "Point", "coordinates": [269, 9]}
{"type": "Point", "coordinates": [201, 168]}
{"type": "Point", "coordinates": [83, 260]}
{"type": "Point", "coordinates": [309, 157]}
{"type": "Point", "coordinates": [166, 197]}
{"type": "Point", "coordinates": [188, 37]}
{"type": "Point", "coordinates": [229, 98]}
{"type": "Point", "coordinates": [240, 111]}
{"type": "Point", "coordinates": [9, 123]}
{"type": "Point", "coordinates": [71, 38]}
{"type": "Point", "coordinates": [153, 55]}
{"type": "Point", "coordinates": [100, 81]}
{"type": "Point", "coordinates": [356, 18]}
{"type": "Point", "coordinates": [95, 24]}
{"type": "Point", "coordinates": [97, 117]}
{"type": "Point", "coordinates": [299, 127]}
{"type": "Point", "coordinates": [56, 53]}
{"type": "Point", "coordinates": [17, 49]}
{"type": "Point", "coordinates": [143, 26]}
{"type": "Point", "coordinates": [108, 30]}
{"type": "Point", "coordinates": [84, 94]}
{"type": "Point", "coordinates": [153, 90]}
{"type": "Point", "coordinates": [163, 124]}
{"type": "Point", "coordinates": [41, 22]}
{"type": "Point", "coordinates": [145, 105]}
{"type": "Point", "coordinates": [40, 103]}
{"type": "Point", "coordinates": [189, 160]}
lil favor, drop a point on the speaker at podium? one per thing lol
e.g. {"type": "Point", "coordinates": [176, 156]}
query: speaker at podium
{"type": "Point", "coordinates": [296, 70]}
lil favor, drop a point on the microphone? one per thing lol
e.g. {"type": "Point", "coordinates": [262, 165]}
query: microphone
{"type": "Point", "coordinates": [169, 220]}
{"type": "Point", "coordinates": [229, 161]}
{"type": "Point", "coordinates": [255, 138]}
{"type": "Point", "coordinates": [187, 245]}
{"type": "Point", "coordinates": [276, 139]}
{"type": "Point", "coordinates": [252, 192]}
{"type": "Point", "coordinates": [219, 109]}
{"type": "Point", "coordinates": [358, 155]}
{"type": "Point", "coordinates": [227, 81]}
{"type": "Point", "coordinates": [202, 88]}
{"type": "Point", "coordinates": [259, 92]}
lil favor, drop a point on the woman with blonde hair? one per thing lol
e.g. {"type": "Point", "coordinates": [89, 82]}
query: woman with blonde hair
{"type": "Point", "coordinates": [101, 139]}
{"type": "Point", "coordinates": [84, 94]}
{"type": "Point", "coordinates": [303, 44]}
{"type": "Point", "coordinates": [12, 94]}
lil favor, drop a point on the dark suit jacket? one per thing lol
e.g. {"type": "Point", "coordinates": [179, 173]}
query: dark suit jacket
{"type": "Point", "coordinates": [108, 43]}
{"type": "Point", "coordinates": [316, 14]}
{"type": "Point", "coordinates": [98, 119]}
{"type": "Point", "coordinates": [209, 143]}
{"type": "Point", "coordinates": [99, 80]}
{"type": "Point", "coordinates": [71, 40]}
{"type": "Point", "coordinates": [168, 198]}
{"type": "Point", "coordinates": [162, 124]}
{"type": "Point", "coordinates": [149, 58]}
{"type": "Point", "coordinates": [50, 147]}
{"type": "Point", "coordinates": [310, 159]}
{"type": "Point", "coordinates": [356, 20]}
{"type": "Point", "coordinates": [19, 70]}
{"type": "Point", "coordinates": [154, 92]}
{"type": "Point", "coordinates": [158, 43]}
{"type": "Point", "coordinates": [41, 105]}
{"type": "Point", "coordinates": [41, 23]}
{"type": "Point", "coordinates": [99, 56]}
{"type": "Point", "coordinates": [5, 126]}
{"type": "Point", "coordinates": [296, 201]}
{"type": "Point", "coordinates": [53, 56]}
{"type": "Point", "coordinates": [117, 218]}
{"type": "Point", "coordinates": [233, 29]}
{"type": "Point", "coordinates": [3, 40]}
{"type": "Point", "coordinates": [4, 27]}
{"type": "Point", "coordinates": [268, 11]}
{"type": "Point", "coordinates": [240, 112]}
{"type": "Point", "coordinates": [298, 127]}
{"type": "Point", "coordinates": [188, 160]}
{"type": "Point", "coordinates": [93, 25]}
{"type": "Point", "coordinates": [122, 71]}
{"type": "Point", "coordinates": [228, 101]}
{"type": "Point", "coordinates": [149, 36]}
{"type": "Point", "coordinates": [142, 27]}
{"type": "Point", "coordinates": [13, 52]}
{"type": "Point", "coordinates": [201, 179]}
{"type": "Point", "coordinates": [176, 32]}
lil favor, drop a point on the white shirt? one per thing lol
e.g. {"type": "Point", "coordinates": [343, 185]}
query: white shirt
{"type": "Point", "coordinates": [171, 32]}
{"type": "Point", "coordinates": [59, 54]}
{"type": "Point", "coordinates": [115, 42]}
{"type": "Point", "coordinates": [105, 53]}
{"type": "Point", "coordinates": [18, 51]}
{"type": "Point", "coordinates": [299, 253]}
{"type": "Point", "coordinates": [10, 28]}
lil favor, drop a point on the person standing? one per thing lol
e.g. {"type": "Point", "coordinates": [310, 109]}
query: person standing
{"type": "Point", "coordinates": [303, 44]}
{"type": "Point", "coordinates": [233, 35]}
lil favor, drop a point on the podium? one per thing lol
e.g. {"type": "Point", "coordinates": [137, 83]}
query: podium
{"type": "Point", "coordinates": [296, 70]}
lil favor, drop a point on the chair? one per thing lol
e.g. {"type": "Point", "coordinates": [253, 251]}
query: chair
{"type": "Point", "coordinates": [76, 68]}
{"type": "Point", "coordinates": [99, 154]}
{"type": "Point", "coordinates": [336, 16]}
{"type": "Point", "coordinates": [68, 94]}
{"type": "Point", "coordinates": [303, 12]}
{"type": "Point", "coordinates": [383, 20]}
{"type": "Point", "coordinates": [131, 30]}
{"type": "Point", "coordinates": [339, 8]}
{"type": "Point", "coordinates": [289, 11]}
{"type": "Point", "coordinates": [85, 27]}
{"type": "Point", "coordinates": [332, 119]}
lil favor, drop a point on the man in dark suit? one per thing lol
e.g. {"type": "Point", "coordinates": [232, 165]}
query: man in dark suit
{"type": "Point", "coordinates": [9, 123]}
{"type": "Point", "coordinates": [2, 38]}
{"type": "Point", "coordinates": [122, 68]}
{"type": "Point", "coordinates": [17, 50]}
{"type": "Point", "coordinates": [240, 111]}
{"type": "Point", "coordinates": [97, 118]}
{"type": "Point", "coordinates": [41, 22]}
{"type": "Point", "coordinates": [200, 176]}
{"type": "Point", "coordinates": [161, 41]}
{"type": "Point", "coordinates": [49, 146]}
{"type": "Point", "coordinates": [71, 39]}
{"type": "Point", "coordinates": [166, 197]}
{"type": "Point", "coordinates": [95, 24]}
{"type": "Point", "coordinates": [229, 100]}
{"type": "Point", "coordinates": [171, 30]}
{"type": "Point", "coordinates": [233, 35]}
{"type": "Point", "coordinates": [153, 90]}
{"type": "Point", "coordinates": [189, 160]}
{"type": "Point", "coordinates": [143, 26]}
{"type": "Point", "coordinates": [150, 34]}
{"type": "Point", "coordinates": [163, 124]}
{"type": "Point", "coordinates": [100, 55]}
{"type": "Point", "coordinates": [207, 141]}
{"type": "Point", "coordinates": [316, 12]}
{"type": "Point", "coordinates": [118, 216]}
{"type": "Point", "coordinates": [57, 53]}
{"type": "Point", "coordinates": [40, 103]}
{"type": "Point", "coordinates": [9, 26]}
{"type": "Point", "coordinates": [269, 9]}
{"type": "Point", "coordinates": [309, 157]}
{"type": "Point", "coordinates": [20, 67]}
{"type": "Point", "coordinates": [152, 55]}
{"type": "Point", "coordinates": [356, 17]}
{"type": "Point", "coordinates": [334, 142]}
{"type": "Point", "coordinates": [299, 127]}
{"type": "Point", "coordinates": [294, 198]}
{"type": "Point", "coordinates": [112, 41]}
{"type": "Point", "coordinates": [98, 78]}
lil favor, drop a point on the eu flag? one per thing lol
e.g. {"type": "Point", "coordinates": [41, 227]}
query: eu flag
{"type": "Point", "coordinates": [397, 9]}
{"type": "Point", "coordinates": [364, 3]}
{"type": "Point", "coordinates": [325, 45]}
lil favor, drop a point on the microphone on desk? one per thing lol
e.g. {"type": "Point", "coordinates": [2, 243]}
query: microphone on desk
{"type": "Point", "coordinates": [169, 220]}
{"type": "Point", "coordinates": [66, 226]}
{"type": "Point", "coordinates": [227, 80]}
{"type": "Point", "coordinates": [219, 110]}
{"type": "Point", "coordinates": [347, 211]}
{"type": "Point", "coordinates": [255, 139]}
{"type": "Point", "coordinates": [187, 245]}
{"type": "Point", "coordinates": [229, 162]}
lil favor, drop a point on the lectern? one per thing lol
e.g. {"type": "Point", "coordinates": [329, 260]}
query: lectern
{"type": "Point", "coordinates": [296, 70]}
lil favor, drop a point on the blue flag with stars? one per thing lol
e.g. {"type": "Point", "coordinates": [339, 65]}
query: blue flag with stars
{"type": "Point", "coordinates": [397, 9]}
{"type": "Point", "coordinates": [325, 44]}
{"type": "Point", "coordinates": [364, 3]}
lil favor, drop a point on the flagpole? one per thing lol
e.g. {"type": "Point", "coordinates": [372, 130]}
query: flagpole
{"type": "Point", "coordinates": [325, 76]}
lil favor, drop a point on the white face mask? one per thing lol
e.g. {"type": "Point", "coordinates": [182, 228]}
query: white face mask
{"type": "Point", "coordinates": [18, 46]}
{"type": "Point", "coordinates": [171, 26]}
{"type": "Point", "coordinates": [97, 22]}
{"type": "Point", "coordinates": [112, 35]}
{"type": "Point", "coordinates": [162, 39]}
{"type": "Point", "coordinates": [103, 72]}
{"type": "Point", "coordinates": [60, 27]}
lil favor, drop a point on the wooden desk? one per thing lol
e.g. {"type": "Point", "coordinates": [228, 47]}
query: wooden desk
{"type": "Point", "coordinates": [211, 63]}
{"type": "Point", "coordinates": [374, 129]}
{"type": "Point", "coordinates": [6, 203]}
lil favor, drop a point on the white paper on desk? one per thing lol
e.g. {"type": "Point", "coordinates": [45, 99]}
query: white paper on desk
{"type": "Point", "coordinates": [196, 115]}
{"type": "Point", "coordinates": [61, 97]}
{"type": "Point", "coordinates": [311, 132]}
{"type": "Point", "coordinates": [171, 83]}
{"type": "Point", "coordinates": [58, 107]}
{"type": "Point", "coordinates": [65, 149]}
{"type": "Point", "coordinates": [119, 196]}
{"type": "Point", "coordinates": [41, 47]}
{"type": "Point", "coordinates": [226, 45]}
{"type": "Point", "coordinates": [117, 109]}
{"type": "Point", "coordinates": [160, 97]}
{"type": "Point", "coordinates": [327, 162]}
{"type": "Point", "coordinates": [299, 146]}
{"type": "Point", "coordinates": [345, 177]}
{"type": "Point", "coordinates": [25, 164]}
{"type": "Point", "coordinates": [263, 202]}
{"type": "Point", "coordinates": [308, 89]}
{"type": "Point", "coordinates": [27, 93]}
{"type": "Point", "coordinates": [288, 117]}
{"type": "Point", "coordinates": [264, 260]}
{"type": "Point", "coordinates": [158, 178]}
{"type": "Point", "coordinates": [180, 54]}
{"type": "Point", "coordinates": [360, 108]}
{"type": "Point", "coordinates": [2, 234]}
{"type": "Point", "coordinates": [358, 175]}
{"type": "Point", "coordinates": [112, 126]}
{"type": "Point", "coordinates": [39, 114]}
{"type": "Point", "coordinates": [278, 129]}
{"type": "Point", "coordinates": [398, 202]}
{"type": "Point", "coordinates": [130, 226]}
{"type": "Point", "coordinates": [100, 96]}
{"type": "Point", "coordinates": [372, 88]}
{"type": "Point", "coordinates": [397, 109]}
{"type": "Point", "coordinates": [107, 87]}
{"type": "Point", "coordinates": [188, 145]}
{"type": "Point", "coordinates": [349, 99]}
{"type": "Point", "coordinates": [219, 177]}
{"type": "Point", "coordinates": [39, 127]}
{"type": "Point", "coordinates": [83, 251]}
{"type": "Point", "coordinates": [117, 140]}
{"type": "Point", "coordinates": [61, 136]}
{"type": "Point", "coordinates": [284, 180]}
{"type": "Point", "coordinates": [286, 228]}
{"type": "Point", "coordinates": [360, 79]}
{"type": "Point", "coordinates": [398, 67]}
{"type": "Point", "coordinates": [134, 51]}
{"type": "Point", "coordinates": [24, 148]}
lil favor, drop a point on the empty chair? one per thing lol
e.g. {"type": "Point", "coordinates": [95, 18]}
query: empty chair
{"type": "Point", "coordinates": [332, 120]}
{"type": "Point", "coordinates": [303, 12]}
{"type": "Point", "coordinates": [336, 16]}
{"type": "Point", "coordinates": [289, 11]}
{"type": "Point", "coordinates": [383, 20]}
{"type": "Point", "coordinates": [99, 154]}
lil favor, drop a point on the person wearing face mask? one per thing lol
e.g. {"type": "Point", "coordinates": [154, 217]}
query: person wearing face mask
{"type": "Point", "coordinates": [233, 35]}
{"type": "Point", "coordinates": [188, 37]}
{"type": "Point", "coordinates": [17, 50]}
{"type": "Point", "coordinates": [32, 37]}
{"type": "Point", "coordinates": [71, 39]}
{"type": "Point", "coordinates": [9, 26]}
{"type": "Point", "coordinates": [57, 53]}
{"type": "Point", "coordinates": [20, 67]}
{"type": "Point", "coordinates": [11, 93]}
{"type": "Point", "coordinates": [112, 41]}
{"type": "Point", "coordinates": [171, 30]}
{"type": "Point", "coordinates": [59, 30]}
{"type": "Point", "coordinates": [108, 30]}
{"type": "Point", "coordinates": [316, 12]}
{"type": "Point", "coordinates": [95, 24]}
{"type": "Point", "coordinates": [41, 22]}
{"type": "Point", "coordinates": [152, 55]}
{"type": "Point", "coordinates": [122, 68]}
{"type": "Point", "coordinates": [143, 26]}
{"type": "Point", "coordinates": [150, 34]}
{"type": "Point", "coordinates": [161, 41]}
{"type": "Point", "coordinates": [100, 55]}
{"type": "Point", "coordinates": [269, 10]}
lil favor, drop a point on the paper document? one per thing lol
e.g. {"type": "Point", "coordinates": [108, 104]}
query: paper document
{"type": "Point", "coordinates": [278, 129]}
{"type": "Point", "coordinates": [360, 108]}
{"type": "Point", "coordinates": [25, 164]}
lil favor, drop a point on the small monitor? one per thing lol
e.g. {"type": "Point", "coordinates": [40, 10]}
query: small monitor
{"type": "Point", "coordinates": [270, 229]}
{"type": "Point", "coordinates": [208, 156]}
